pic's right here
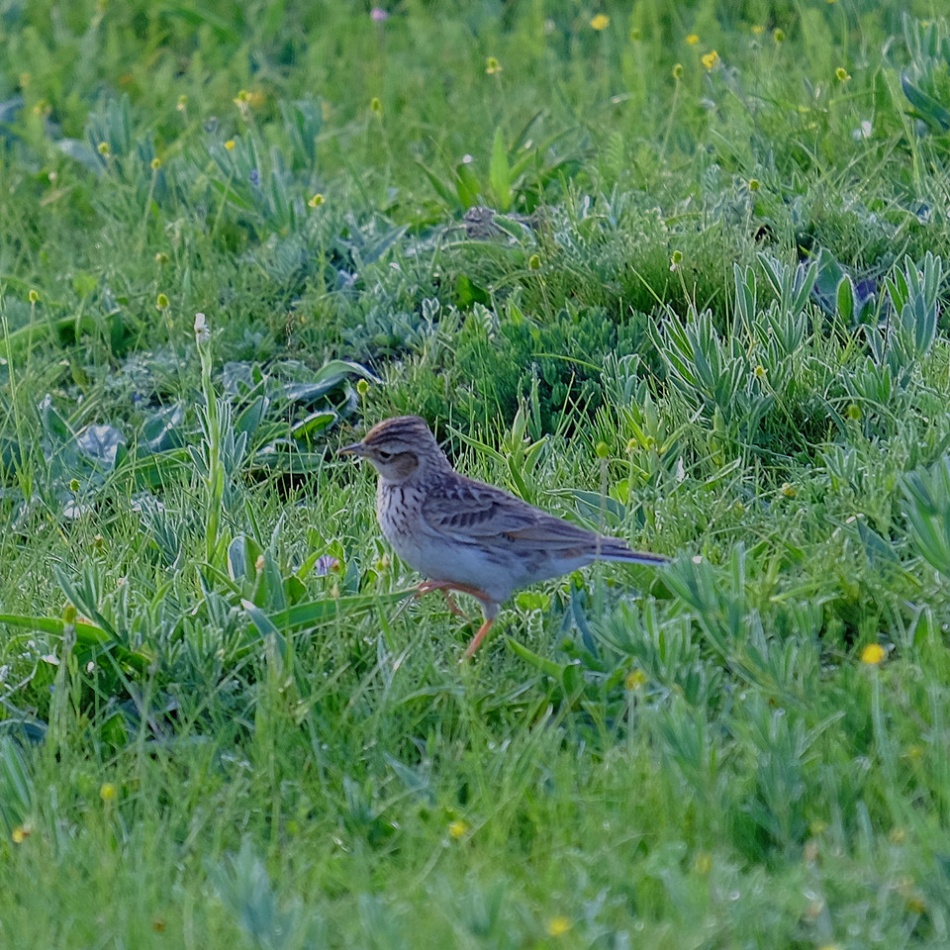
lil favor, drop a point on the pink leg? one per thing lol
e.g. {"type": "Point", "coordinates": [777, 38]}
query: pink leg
{"type": "Point", "coordinates": [428, 586]}
{"type": "Point", "coordinates": [447, 587]}
{"type": "Point", "coordinates": [489, 608]}
{"type": "Point", "coordinates": [477, 640]}
{"type": "Point", "coordinates": [452, 605]}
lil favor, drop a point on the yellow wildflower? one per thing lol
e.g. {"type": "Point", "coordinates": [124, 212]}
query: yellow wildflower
{"type": "Point", "coordinates": [635, 679]}
{"type": "Point", "coordinates": [246, 100]}
{"type": "Point", "coordinates": [873, 654]}
{"type": "Point", "coordinates": [20, 833]}
{"type": "Point", "coordinates": [600, 22]}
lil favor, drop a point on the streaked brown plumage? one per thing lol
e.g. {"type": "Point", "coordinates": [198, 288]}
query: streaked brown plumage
{"type": "Point", "coordinates": [465, 535]}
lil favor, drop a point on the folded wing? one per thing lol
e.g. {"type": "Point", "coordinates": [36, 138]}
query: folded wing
{"type": "Point", "coordinates": [470, 512]}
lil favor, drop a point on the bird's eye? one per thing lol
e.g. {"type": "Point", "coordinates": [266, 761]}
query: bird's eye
{"type": "Point", "coordinates": [384, 456]}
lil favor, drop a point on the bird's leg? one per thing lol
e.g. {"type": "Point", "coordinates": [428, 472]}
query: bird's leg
{"type": "Point", "coordinates": [477, 640]}
{"type": "Point", "coordinates": [427, 586]}
{"type": "Point", "coordinates": [447, 587]}
{"type": "Point", "coordinates": [489, 607]}
{"type": "Point", "coordinates": [452, 605]}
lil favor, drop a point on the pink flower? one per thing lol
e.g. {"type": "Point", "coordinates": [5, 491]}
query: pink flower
{"type": "Point", "coordinates": [378, 15]}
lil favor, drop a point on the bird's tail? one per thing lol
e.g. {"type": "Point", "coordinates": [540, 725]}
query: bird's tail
{"type": "Point", "coordinates": [612, 549]}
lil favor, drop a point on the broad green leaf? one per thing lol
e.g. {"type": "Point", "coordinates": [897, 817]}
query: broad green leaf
{"type": "Point", "coordinates": [845, 299]}
{"type": "Point", "coordinates": [88, 635]}
{"type": "Point", "coordinates": [100, 443]}
{"type": "Point", "coordinates": [317, 611]}
{"type": "Point", "coordinates": [469, 292]}
{"type": "Point", "coordinates": [929, 109]}
{"type": "Point", "coordinates": [550, 667]}
{"type": "Point", "coordinates": [314, 423]}
{"type": "Point", "coordinates": [442, 190]}
{"type": "Point", "coordinates": [466, 184]}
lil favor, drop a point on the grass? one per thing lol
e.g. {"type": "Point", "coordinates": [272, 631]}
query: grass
{"type": "Point", "coordinates": [709, 314]}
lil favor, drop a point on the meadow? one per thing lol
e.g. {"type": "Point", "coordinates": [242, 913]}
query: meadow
{"type": "Point", "coordinates": [675, 270]}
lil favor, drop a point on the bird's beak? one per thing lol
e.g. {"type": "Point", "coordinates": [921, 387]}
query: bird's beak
{"type": "Point", "coordinates": [357, 448]}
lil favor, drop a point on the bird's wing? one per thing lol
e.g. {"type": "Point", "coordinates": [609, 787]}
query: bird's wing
{"type": "Point", "coordinates": [470, 511]}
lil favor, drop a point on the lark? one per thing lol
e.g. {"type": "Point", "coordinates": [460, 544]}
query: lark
{"type": "Point", "coordinates": [464, 535]}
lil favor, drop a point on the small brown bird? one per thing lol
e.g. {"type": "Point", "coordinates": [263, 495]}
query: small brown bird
{"type": "Point", "coordinates": [465, 535]}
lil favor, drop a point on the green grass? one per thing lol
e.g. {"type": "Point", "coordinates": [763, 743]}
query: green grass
{"type": "Point", "coordinates": [711, 318]}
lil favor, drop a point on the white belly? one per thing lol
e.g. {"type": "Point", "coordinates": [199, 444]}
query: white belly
{"type": "Point", "coordinates": [447, 559]}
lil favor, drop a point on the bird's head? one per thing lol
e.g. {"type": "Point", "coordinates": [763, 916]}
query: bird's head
{"type": "Point", "coordinates": [399, 449]}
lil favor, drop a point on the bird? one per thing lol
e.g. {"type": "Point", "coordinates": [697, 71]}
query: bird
{"type": "Point", "coordinates": [467, 536]}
